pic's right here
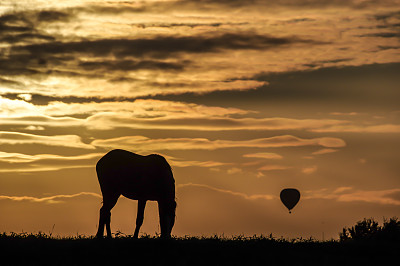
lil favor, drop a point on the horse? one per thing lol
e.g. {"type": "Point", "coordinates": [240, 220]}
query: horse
{"type": "Point", "coordinates": [140, 178]}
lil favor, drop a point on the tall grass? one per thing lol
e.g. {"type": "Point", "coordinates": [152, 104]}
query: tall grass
{"type": "Point", "coordinates": [46, 249]}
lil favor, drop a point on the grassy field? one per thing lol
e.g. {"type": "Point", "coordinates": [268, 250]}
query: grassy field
{"type": "Point", "coordinates": [41, 249]}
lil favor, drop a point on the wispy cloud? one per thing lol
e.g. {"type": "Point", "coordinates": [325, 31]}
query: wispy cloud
{"type": "Point", "coordinates": [230, 192]}
{"type": "Point", "coordinates": [16, 138]}
{"type": "Point", "coordinates": [324, 151]}
{"type": "Point", "coordinates": [350, 194]}
{"type": "Point", "coordinates": [106, 121]}
{"type": "Point", "coordinates": [146, 144]}
{"type": "Point", "coordinates": [149, 114]}
{"type": "Point", "coordinates": [309, 170]}
{"type": "Point", "coordinates": [206, 164]}
{"type": "Point", "coordinates": [25, 158]}
{"type": "Point", "coordinates": [19, 162]}
{"type": "Point", "coordinates": [263, 155]}
{"type": "Point", "coordinates": [272, 167]}
{"type": "Point", "coordinates": [51, 199]}
{"type": "Point", "coordinates": [386, 128]}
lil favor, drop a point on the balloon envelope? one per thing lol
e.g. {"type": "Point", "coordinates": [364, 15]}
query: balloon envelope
{"type": "Point", "coordinates": [290, 197]}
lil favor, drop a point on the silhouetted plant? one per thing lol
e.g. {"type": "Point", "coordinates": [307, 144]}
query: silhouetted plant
{"type": "Point", "coordinates": [369, 229]}
{"type": "Point", "coordinates": [391, 229]}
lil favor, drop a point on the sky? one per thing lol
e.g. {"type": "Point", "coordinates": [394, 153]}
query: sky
{"type": "Point", "coordinates": [243, 98]}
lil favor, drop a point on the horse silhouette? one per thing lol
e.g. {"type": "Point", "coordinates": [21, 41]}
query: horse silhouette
{"type": "Point", "coordinates": [139, 178]}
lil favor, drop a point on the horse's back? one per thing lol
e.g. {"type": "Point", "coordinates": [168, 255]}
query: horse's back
{"type": "Point", "coordinates": [135, 176]}
{"type": "Point", "coordinates": [116, 158]}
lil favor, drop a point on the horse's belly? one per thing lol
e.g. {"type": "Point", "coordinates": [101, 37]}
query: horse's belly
{"type": "Point", "coordinates": [140, 196]}
{"type": "Point", "coordinates": [138, 193]}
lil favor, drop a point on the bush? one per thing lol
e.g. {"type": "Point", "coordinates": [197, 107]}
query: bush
{"type": "Point", "coordinates": [368, 229]}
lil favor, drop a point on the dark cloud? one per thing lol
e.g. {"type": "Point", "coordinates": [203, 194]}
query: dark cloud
{"type": "Point", "coordinates": [126, 65]}
{"type": "Point", "coordinates": [293, 3]}
{"type": "Point", "coordinates": [159, 7]}
{"type": "Point", "coordinates": [368, 85]}
{"type": "Point", "coordinates": [384, 47]}
{"type": "Point", "coordinates": [394, 195]}
{"type": "Point", "coordinates": [14, 23]}
{"type": "Point", "coordinates": [336, 60]}
{"type": "Point", "coordinates": [364, 88]}
{"type": "Point", "coordinates": [112, 9]}
{"type": "Point", "coordinates": [17, 65]}
{"type": "Point", "coordinates": [28, 20]}
{"type": "Point", "coordinates": [23, 27]}
{"type": "Point", "coordinates": [9, 82]}
{"type": "Point", "coordinates": [382, 35]}
{"type": "Point", "coordinates": [43, 58]}
{"type": "Point", "coordinates": [387, 15]}
{"type": "Point", "coordinates": [26, 37]}
{"type": "Point", "coordinates": [297, 20]}
{"type": "Point", "coordinates": [163, 46]}
{"type": "Point", "coordinates": [52, 16]}
{"type": "Point", "coordinates": [332, 82]}
{"type": "Point", "coordinates": [190, 25]}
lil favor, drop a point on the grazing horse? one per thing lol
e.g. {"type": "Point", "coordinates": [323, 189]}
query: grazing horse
{"type": "Point", "coordinates": [139, 178]}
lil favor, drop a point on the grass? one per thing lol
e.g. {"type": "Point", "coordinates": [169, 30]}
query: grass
{"type": "Point", "coordinates": [43, 249]}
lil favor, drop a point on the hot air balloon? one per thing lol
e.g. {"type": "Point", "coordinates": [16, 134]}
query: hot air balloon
{"type": "Point", "coordinates": [290, 197]}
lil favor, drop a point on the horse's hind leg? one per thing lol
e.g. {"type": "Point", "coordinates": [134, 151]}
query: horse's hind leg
{"type": "Point", "coordinates": [105, 215]}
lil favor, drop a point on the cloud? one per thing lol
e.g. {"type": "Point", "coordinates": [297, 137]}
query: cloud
{"type": "Point", "coordinates": [25, 96]}
{"type": "Point", "coordinates": [268, 6]}
{"type": "Point", "coordinates": [25, 158]}
{"type": "Point", "coordinates": [230, 192]}
{"type": "Point", "coordinates": [342, 189]}
{"type": "Point", "coordinates": [142, 143]}
{"type": "Point", "coordinates": [297, 3]}
{"type": "Point", "coordinates": [19, 162]}
{"type": "Point", "coordinates": [129, 65]}
{"type": "Point", "coordinates": [162, 46]}
{"type": "Point", "coordinates": [386, 128]}
{"type": "Point", "coordinates": [26, 163]}
{"type": "Point", "coordinates": [22, 27]}
{"type": "Point", "coordinates": [161, 114]}
{"type": "Point", "coordinates": [34, 128]}
{"type": "Point", "coordinates": [222, 6]}
{"type": "Point", "coordinates": [353, 86]}
{"type": "Point", "coordinates": [190, 25]}
{"type": "Point", "coordinates": [16, 138]}
{"type": "Point", "coordinates": [50, 199]}
{"type": "Point", "coordinates": [324, 151]}
{"type": "Point", "coordinates": [206, 164]}
{"type": "Point", "coordinates": [263, 155]}
{"type": "Point", "coordinates": [38, 122]}
{"type": "Point", "coordinates": [345, 114]}
{"type": "Point", "coordinates": [19, 112]}
{"type": "Point", "coordinates": [382, 35]}
{"type": "Point", "coordinates": [148, 114]}
{"type": "Point", "coordinates": [110, 120]}
{"type": "Point", "coordinates": [273, 167]}
{"type": "Point", "coordinates": [234, 170]}
{"type": "Point", "coordinates": [349, 194]}
{"type": "Point", "coordinates": [309, 170]}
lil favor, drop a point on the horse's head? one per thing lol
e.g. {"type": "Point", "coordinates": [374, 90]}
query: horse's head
{"type": "Point", "coordinates": [168, 218]}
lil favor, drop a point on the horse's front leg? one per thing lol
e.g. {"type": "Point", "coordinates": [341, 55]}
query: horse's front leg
{"type": "Point", "coordinates": [139, 217]}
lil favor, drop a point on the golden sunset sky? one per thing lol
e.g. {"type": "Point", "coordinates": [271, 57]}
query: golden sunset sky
{"type": "Point", "coordinates": [243, 98]}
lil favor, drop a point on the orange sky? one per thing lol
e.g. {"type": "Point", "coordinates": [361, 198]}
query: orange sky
{"type": "Point", "coordinates": [244, 98]}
